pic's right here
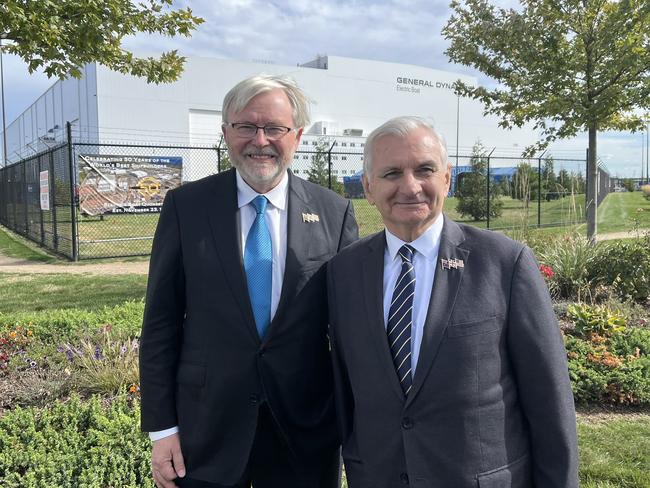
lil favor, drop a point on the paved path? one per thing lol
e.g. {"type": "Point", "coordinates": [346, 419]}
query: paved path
{"type": "Point", "coordinates": [620, 235]}
{"type": "Point", "coordinates": [13, 265]}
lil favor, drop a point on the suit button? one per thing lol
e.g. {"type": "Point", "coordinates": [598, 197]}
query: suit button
{"type": "Point", "coordinates": [254, 399]}
{"type": "Point", "coordinates": [404, 478]}
{"type": "Point", "coordinates": [407, 423]}
{"type": "Point", "coordinates": [260, 353]}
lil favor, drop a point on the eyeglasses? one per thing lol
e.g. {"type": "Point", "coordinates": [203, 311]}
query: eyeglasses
{"type": "Point", "coordinates": [272, 132]}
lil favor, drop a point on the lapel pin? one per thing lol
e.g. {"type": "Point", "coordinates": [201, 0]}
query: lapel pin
{"type": "Point", "coordinates": [310, 217]}
{"type": "Point", "coordinates": [452, 263]}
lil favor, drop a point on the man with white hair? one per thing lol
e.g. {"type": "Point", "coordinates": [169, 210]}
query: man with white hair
{"type": "Point", "coordinates": [235, 371]}
{"type": "Point", "coordinates": [450, 370]}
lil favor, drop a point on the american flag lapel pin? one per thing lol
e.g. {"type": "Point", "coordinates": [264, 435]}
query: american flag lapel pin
{"type": "Point", "coordinates": [310, 217]}
{"type": "Point", "coordinates": [452, 263]}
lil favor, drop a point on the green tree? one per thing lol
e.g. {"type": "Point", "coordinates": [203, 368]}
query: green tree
{"type": "Point", "coordinates": [224, 160]}
{"type": "Point", "coordinates": [318, 171]}
{"type": "Point", "coordinates": [566, 65]}
{"type": "Point", "coordinates": [61, 36]}
{"type": "Point", "coordinates": [471, 197]}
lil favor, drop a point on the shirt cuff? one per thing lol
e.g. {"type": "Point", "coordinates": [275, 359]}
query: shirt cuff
{"type": "Point", "coordinates": [161, 434]}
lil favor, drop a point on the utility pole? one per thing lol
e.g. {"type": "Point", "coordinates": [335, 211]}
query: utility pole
{"type": "Point", "coordinates": [4, 118]}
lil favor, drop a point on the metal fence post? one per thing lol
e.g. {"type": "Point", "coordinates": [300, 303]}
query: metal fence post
{"type": "Point", "coordinates": [25, 198]}
{"type": "Point", "coordinates": [55, 233]}
{"type": "Point", "coordinates": [488, 188]}
{"type": "Point", "coordinates": [219, 154]}
{"type": "Point", "coordinates": [73, 204]}
{"type": "Point", "coordinates": [329, 166]}
{"type": "Point", "coordinates": [40, 210]}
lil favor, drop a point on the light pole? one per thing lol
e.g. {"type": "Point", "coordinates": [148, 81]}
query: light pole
{"type": "Point", "coordinates": [647, 147]}
{"type": "Point", "coordinates": [642, 156]}
{"type": "Point", "coordinates": [4, 119]}
{"type": "Point", "coordinates": [457, 133]}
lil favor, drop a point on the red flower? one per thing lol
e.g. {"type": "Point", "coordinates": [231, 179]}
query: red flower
{"type": "Point", "coordinates": [547, 271]}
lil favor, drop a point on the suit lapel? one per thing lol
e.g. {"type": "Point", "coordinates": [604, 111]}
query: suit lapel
{"type": "Point", "coordinates": [373, 289]}
{"type": "Point", "coordinates": [221, 207]}
{"type": "Point", "coordinates": [297, 245]}
{"type": "Point", "coordinates": [443, 295]}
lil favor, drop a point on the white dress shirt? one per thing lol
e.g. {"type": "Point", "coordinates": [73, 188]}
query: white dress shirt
{"type": "Point", "coordinates": [424, 264]}
{"type": "Point", "coordinates": [276, 219]}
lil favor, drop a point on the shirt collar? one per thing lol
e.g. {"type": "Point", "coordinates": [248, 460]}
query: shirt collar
{"type": "Point", "coordinates": [277, 196]}
{"type": "Point", "coordinates": [427, 244]}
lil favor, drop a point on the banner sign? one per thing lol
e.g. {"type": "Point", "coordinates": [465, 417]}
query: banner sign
{"type": "Point", "coordinates": [45, 189]}
{"type": "Point", "coordinates": [110, 184]}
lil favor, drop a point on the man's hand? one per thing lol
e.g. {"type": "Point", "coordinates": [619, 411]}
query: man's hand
{"type": "Point", "coordinates": [167, 461]}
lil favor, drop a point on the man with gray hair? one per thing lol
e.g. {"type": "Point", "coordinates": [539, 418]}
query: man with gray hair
{"type": "Point", "coordinates": [235, 371]}
{"type": "Point", "coordinates": [450, 369]}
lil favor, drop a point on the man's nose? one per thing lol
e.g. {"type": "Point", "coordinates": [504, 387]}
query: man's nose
{"type": "Point", "coordinates": [260, 138]}
{"type": "Point", "coordinates": [410, 184]}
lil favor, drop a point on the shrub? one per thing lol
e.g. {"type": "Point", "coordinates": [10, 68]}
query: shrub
{"type": "Point", "coordinates": [58, 326]}
{"type": "Point", "coordinates": [571, 259]}
{"type": "Point", "coordinates": [595, 320]}
{"type": "Point", "coordinates": [646, 191]}
{"type": "Point", "coordinates": [625, 265]}
{"type": "Point", "coordinates": [75, 444]}
{"type": "Point", "coordinates": [608, 362]}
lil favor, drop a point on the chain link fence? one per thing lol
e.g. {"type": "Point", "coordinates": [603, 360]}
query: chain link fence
{"type": "Point", "coordinates": [108, 206]}
{"type": "Point", "coordinates": [36, 200]}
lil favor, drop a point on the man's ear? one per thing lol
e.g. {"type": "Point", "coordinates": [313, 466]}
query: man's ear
{"type": "Point", "coordinates": [366, 188]}
{"type": "Point", "coordinates": [298, 136]}
{"type": "Point", "coordinates": [448, 176]}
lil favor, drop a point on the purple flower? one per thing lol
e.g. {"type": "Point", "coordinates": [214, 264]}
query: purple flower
{"type": "Point", "coordinates": [98, 353]}
{"type": "Point", "coordinates": [135, 344]}
{"type": "Point", "coordinates": [122, 350]}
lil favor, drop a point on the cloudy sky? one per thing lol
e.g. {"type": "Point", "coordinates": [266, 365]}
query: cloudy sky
{"type": "Point", "coordinates": [291, 32]}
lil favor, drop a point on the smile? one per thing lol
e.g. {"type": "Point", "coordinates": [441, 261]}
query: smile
{"type": "Point", "coordinates": [261, 156]}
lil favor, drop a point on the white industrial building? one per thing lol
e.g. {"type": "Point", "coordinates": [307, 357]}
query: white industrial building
{"type": "Point", "coordinates": [351, 97]}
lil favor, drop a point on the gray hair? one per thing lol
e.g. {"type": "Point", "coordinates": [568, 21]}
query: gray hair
{"type": "Point", "coordinates": [401, 127]}
{"type": "Point", "coordinates": [244, 91]}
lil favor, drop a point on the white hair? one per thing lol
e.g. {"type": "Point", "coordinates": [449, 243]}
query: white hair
{"type": "Point", "coordinates": [401, 127]}
{"type": "Point", "coordinates": [242, 93]}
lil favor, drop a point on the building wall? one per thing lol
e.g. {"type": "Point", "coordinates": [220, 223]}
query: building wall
{"type": "Point", "coordinates": [43, 123]}
{"type": "Point", "coordinates": [349, 94]}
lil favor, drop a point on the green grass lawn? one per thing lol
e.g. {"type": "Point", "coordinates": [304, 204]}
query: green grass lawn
{"type": "Point", "coordinates": [28, 293]}
{"type": "Point", "coordinates": [623, 211]}
{"type": "Point", "coordinates": [562, 212]}
{"type": "Point", "coordinates": [102, 237]}
{"type": "Point", "coordinates": [17, 247]}
{"type": "Point", "coordinates": [615, 453]}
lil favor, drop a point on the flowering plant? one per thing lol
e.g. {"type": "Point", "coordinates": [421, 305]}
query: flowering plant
{"type": "Point", "coordinates": [547, 271]}
{"type": "Point", "coordinates": [14, 343]}
{"type": "Point", "coordinates": [103, 364]}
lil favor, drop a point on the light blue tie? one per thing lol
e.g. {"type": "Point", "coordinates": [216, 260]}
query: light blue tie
{"type": "Point", "coordinates": [258, 263]}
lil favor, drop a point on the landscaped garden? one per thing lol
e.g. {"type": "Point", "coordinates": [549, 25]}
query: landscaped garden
{"type": "Point", "coordinates": [69, 392]}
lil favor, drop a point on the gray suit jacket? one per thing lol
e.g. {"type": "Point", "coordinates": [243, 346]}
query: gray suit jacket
{"type": "Point", "coordinates": [203, 366]}
{"type": "Point", "coordinates": [491, 403]}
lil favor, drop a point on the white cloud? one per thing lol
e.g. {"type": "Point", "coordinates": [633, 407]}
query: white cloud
{"type": "Point", "coordinates": [291, 32]}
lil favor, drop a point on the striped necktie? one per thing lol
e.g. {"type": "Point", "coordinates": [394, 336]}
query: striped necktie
{"type": "Point", "coordinates": [400, 319]}
{"type": "Point", "coordinates": [258, 263]}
